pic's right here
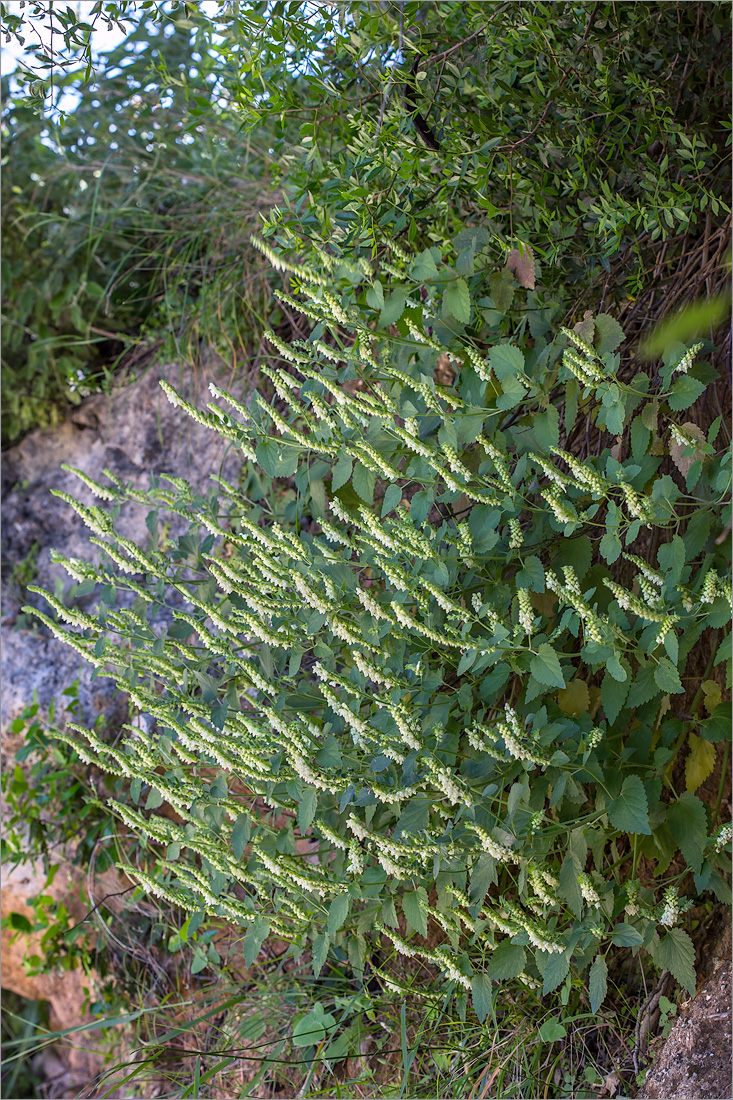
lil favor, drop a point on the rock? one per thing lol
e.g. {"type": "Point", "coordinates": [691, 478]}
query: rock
{"type": "Point", "coordinates": [72, 1065]}
{"type": "Point", "coordinates": [133, 433]}
{"type": "Point", "coordinates": [695, 1060]}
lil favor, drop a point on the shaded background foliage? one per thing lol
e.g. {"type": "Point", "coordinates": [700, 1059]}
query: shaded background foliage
{"type": "Point", "coordinates": [593, 133]}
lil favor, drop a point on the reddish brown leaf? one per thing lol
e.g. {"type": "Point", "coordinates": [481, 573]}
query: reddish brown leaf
{"type": "Point", "coordinates": [520, 262]}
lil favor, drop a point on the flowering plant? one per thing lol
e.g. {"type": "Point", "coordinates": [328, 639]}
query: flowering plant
{"type": "Point", "coordinates": [414, 675]}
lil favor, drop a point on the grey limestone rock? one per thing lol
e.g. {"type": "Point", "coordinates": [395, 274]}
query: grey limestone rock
{"type": "Point", "coordinates": [133, 432]}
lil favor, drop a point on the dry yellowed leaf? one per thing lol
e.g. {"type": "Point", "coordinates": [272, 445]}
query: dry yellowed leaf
{"type": "Point", "coordinates": [595, 700]}
{"type": "Point", "coordinates": [574, 699]}
{"type": "Point", "coordinates": [445, 371]}
{"type": "Point", "coordinates": [544, 602]}
{"type": "Point", "coordinates": [711, 695]}
{"type": "Point", "coordinates": [700, 762]}
{"type": "Point", "coordinates": [587, 327]}
{"type": "Point", "coordinates": [676, 450]}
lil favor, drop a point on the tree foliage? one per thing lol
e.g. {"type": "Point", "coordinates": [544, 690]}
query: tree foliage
{"type": "Point", "coordinates": [576, 133]}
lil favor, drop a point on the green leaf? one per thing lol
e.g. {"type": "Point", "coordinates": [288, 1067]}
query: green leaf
{"type": "Point", "coordinates": [630, 811]}
{"type": "Point", "coordinates": [545, 667]}
{"type": "Point", "coordinates": [513, 393]}
{"type": "Point", "coordinates": [546, 429]}
{"type": "Point", "coordinates": [640, 438]}
{"type": "Point", "coordinates": [718, 726]}
{"type": "Point", "coordinates": [506, 361]}
{"type": "Point", "coordinates": [685, 392]}
{"type": "Point", "coordinates": [341, 471]}
{"type": "Point", "coordinates": [501, 287]}
{"type": "Point", "coordinates": [200, 962]}
{"type": "Point", "coordinates": [329, 756]}
{"type": "Point", "coordinates": [465, 264]}
{"type": "Point", "coordinates": [240, 835]}
{"type": "Point", "coordinates": [337, 913]}
{"type": "Point", "coordinates": [277, 460]}
{"type": "Point", "coordinates": [671, 558]}
{"type": "Point", "coordinates": [420, 505]}
{"type": "Point", "coordinates": [415, 816]}
{"type": "Point", "coordinates": [531, 575]}
{"type": "Point", "coordinates": [554, 968]}
{"type": "Point", "coordinates": [393, 308]}
{"type": "Point", "coordinates": [552, 1030]}
{"type": "Point", "coordinates": [688, 824]}
{"type": "Point", "coordinates": [392, 497]}
{"type": "Point", "coordinates": [319, 954]}
{"type": "Point", "coordinates": [307, 808]}
{"type": "Point", "coordinates": [318, 497]}
{"type": "Point", "coordinates": [154, 799]}
{"type": "Point", "coordinates": [219, 715]}
{"type": "Point", "coordinates": [483, 876]}
{"type": "Point", "coordinates": [624, 935]}
{"type": "Point", "coordinates": [413, 906]}
{"type": "Point", "coordinates": [644, 686]}
{"type": "Point", "coordinates": [375, 295]}
{"type": "Point", "coordinates": [598, 983]}
{"type": "Point", "coordinates": [569, 888]}
{"type": "Point", "coordinates": [577, 552]}
{"type": "Point", "coordinates": [364, 481]}
{"type": "Point", "coordinates": [613, 696]}
{"type": "Point", "coordinates": [609, 334]}
{"type": "Point", "coordinates": [614, 410]}
{"type": "Point", "coordinates": [482, 996]}
{"type": "Point", "coordinates": [20, 923]}
{"type": "Point", "coordinates": [667, 678]}
{"type": "Point", "coordinates": [423, 267]}
{"type": "Point", "coordinates": [616, 669]}
{"type": "Point", "coordinates": [676, 952]}
{"type": "Point", "coordinates": [457, 301]}
{"type": "Point", "coordinates": [507, 961]}
{"type": "Point", "coordinates": [611, 547]}
{"type": "Point", "coordinates": [314, 1027]}
{"type": "Point", "coordinates": [256, 936]}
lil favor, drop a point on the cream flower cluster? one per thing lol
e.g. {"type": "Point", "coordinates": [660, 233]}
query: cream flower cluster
{"type": "Point", "coordinates": [281, 264]}
{"type": "Point", "coordinates": [588, 890]}
{"type": "Point", "coordinates": [673, 907]}
{"type": "Point", "coordinates": [515, 919]}
{"type": "Point", "coordinates": [486, 738]}
{"type": "Point", "coordinates": [684, 364]}
{"type": "Point", "coordinates": [450, 786]}
{"type": "Point", "coordinates": [584, 473]}
{"type": "Point", "coordinates": [526, 611]}
{"type": "Point", "coordinates": [516, 538]}
{"type": "Point", "coordinates": [479, 363]}
{"type": "Point", "coordinates": [627, 601]}
{"type": "Point", "coordinates": [500, 852]}
{"type": "Point", "coordinates": [636, 505]}
{"type": "Point", "coordinates": [571, 592]}
{"type": "Point", "coordinates": [500, 462]}
{"type": "Point", "coordinates": [543, 883]}
{"type": "Point", "coordinates": [560, 509]}
{"type": "Point", "coordinates": [214, 420]}
{"type": "Point", "coordinates": [584, 366]}
{"type": "Point", "coordinates": [420, 335]}
{"type": "Point", "coordinates": [714, 586]}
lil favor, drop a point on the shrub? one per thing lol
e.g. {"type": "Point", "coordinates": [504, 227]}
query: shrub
{"type": "Point", "coordinates": [118, 228]}
{"type": "Point", "coordinates": [423, 687]}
